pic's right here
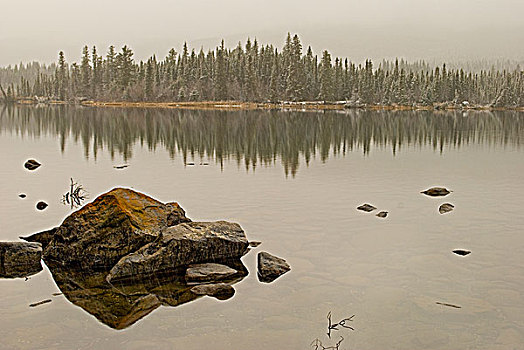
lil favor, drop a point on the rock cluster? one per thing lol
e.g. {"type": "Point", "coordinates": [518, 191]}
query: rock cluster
{"type": "Point", "coordinates": [133, 234]}
{"type": "Point", "coordinates": [125, 254]}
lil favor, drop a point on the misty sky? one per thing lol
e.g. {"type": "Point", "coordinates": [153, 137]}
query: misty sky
{"type": "Point", "coordinates": [358, 29]}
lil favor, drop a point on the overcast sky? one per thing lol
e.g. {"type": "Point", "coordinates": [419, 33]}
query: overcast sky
{"type": "Point", "coordinates": [358, 29]}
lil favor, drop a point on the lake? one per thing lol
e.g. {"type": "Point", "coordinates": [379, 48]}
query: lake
{"type": "Point", "coordinates": [293, 181]}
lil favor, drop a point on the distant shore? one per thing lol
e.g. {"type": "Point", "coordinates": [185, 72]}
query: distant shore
{"type": "Point", "coordinates": [237, 105]}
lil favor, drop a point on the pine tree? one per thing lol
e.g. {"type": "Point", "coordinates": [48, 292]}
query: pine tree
{"type": "Point", "coordinates": [221, 92]}
{"type": "Point", "coordinates": [85, 73]}
{"type": "Point", "coordinates": [125, 68]}
{"type": "Point", "coordinates": [149, 80]}
{"type": "Point", "coordinates": [326, 77]}
{"type": "Point", "coordinates": [295, 71]}
{"type": "Point", "coordinates": [61, 77]}
{"type": "Point", "coordinates": [110, 71]}
{"type": "Point", "coordinates": [96, 80]}
{"type": "Point", "coordinates": [274, 81]}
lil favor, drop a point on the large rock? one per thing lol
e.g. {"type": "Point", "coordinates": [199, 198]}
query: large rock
{"type": "Point", "coordinates": [115, 224]}
{"type": "Point", "coordinates": [20, 259]}
{"type": "Point", "coordinates": [181, 245]}
{"type": "Point", "coordinates": [270, 267]}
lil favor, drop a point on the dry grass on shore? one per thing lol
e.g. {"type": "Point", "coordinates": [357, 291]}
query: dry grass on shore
{"type": "Point", "coordinates": [236, 105]}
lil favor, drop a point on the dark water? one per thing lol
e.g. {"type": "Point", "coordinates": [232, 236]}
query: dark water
{"type": "Point", "coordinates": [293, 181]}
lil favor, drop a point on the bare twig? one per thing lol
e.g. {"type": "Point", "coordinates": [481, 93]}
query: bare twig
{"type": "Point", "coordinates": [342, 323]}
{"type": "Point", "coordinates": [317, 345]}
{"type": "Point", "coordinates": [76, 195]}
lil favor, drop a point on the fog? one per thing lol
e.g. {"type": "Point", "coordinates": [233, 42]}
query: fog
{"type": "Point", "coordinates": [412, 29]}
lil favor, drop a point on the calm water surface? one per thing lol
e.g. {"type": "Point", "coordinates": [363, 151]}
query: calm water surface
{"type": "Point", "coordinates": [293, 180]}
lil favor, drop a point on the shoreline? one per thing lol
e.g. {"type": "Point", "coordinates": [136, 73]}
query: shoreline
{"type": "Point", "coordinates": [246, 106]}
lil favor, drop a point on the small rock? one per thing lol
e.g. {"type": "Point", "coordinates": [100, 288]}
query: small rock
{"type": "Point", "coordinates": [31, 164]}
{"type": "Point", "coordinates": [41, 205]}
{"type": "Point", "coordinates": [436, 191]}
{"type": "Point", "coordinates": [204, 163]}
{"type": "Point", "coordinates": [382, 214]}
{"type": "Point", "coordinates": [270, 267]}
{"type": "Point", "coordinates": [366, 207]}
{"type": "Point", "coordinates": [22, 195]}
{"type": "Point", "coordinates": [221, 291]}
{"type": "Point", "coordinates": [121, 166]}
{"type": "Point", "coordinates": [461, 252]}
{"type": "Point", "coordinates": [191, 164]}
{"type": "Point", "coordinates": [445, 208]}
{"type": "Point", "coordinates": [208, 272]}
{"type": "Point", "coordinates": [254, 244]}
{"type": "Point", "coordinates": [40, 303]}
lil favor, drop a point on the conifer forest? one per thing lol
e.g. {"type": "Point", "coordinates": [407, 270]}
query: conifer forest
{"type": "Point", "coordinates": [258, 73]}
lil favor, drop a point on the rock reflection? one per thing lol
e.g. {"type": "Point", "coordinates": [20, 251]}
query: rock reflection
{"type": "Point", "coordinates": [119, 305]}
{"type": "Point", "coordinates": [260, 137]}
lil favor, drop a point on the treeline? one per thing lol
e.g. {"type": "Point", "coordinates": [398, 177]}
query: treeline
{"type": "Point", "coordinates": [256, 73]}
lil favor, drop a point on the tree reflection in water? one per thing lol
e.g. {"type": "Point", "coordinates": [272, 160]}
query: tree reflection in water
{"type": "Point", "coordinates": [260, 137]}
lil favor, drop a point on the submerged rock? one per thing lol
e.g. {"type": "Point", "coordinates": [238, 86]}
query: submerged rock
{"type": "Point", "coordinates": [448, 305]}
{"type": "Point", "coordinates": [220, 291]}
{"type": "Point", "coordinates": [31, 164]}
{"type": "Point", "coordinates": [208, 272]}
{"type": "Point", "coordinates": [20, 259]}
{"type": "Point", "coordinates": [41, 205]}
{"type": "Point", "coordinates": [115, 224]}
{"type": "Point", "coordinates": [270, 267]}
{"type": "Point", "coordinates": [436, 191]}
{"type": "Point", "coordinates": [366, 207]}
{"type": "Point", "coordinates": [446, 208]}
{"type": "Point", "coordinates": [182, 245]}
{"type": "Point", "coordinates": [461, 252]}
{"type": "Point", "coordinates": [382, 214]}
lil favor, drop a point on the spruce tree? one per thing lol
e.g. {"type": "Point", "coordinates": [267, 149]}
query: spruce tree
{"type": "Point", "coordinates": [125, 68]}
{"type": "Point", "coordinates": [326, 77]}
{"type": "Point", "coordinates": [295, 79]}
{"type": "Point", "coordinates": [61, 77]}
{"type": "Point", "coordinates": [85, 73]}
